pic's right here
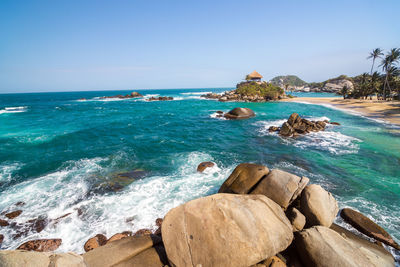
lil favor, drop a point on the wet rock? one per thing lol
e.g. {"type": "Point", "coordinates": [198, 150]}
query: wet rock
{"type": "Point", "coordinates": [19, 203]}
{"type": "Point", "coordinates": [366, 226]}
{"type": "Point", "coordinates": [335, 123]}
{"type": "Point", "coordinates": [118, 181]}
{"type": "Point", "coordinates": [131, 95]}
{"type": "Point", "coordinates": [243, 178]}
{"type": "Point", "coordinates": [296, 218]}
{"type": "Point", "coordinates": [1, 239]}
{"type": "Point", "coordinates": [95, 242]}
{"type": "Point", "coordinates": [239, 113]}
{"type": "Point", "coordinates": [220, 112]}
{"type": "Point", "coordinates": [143, 232]}
{"type": "Point", "coordinates": [41, 245]}
{"type": "Point", "coordinates": [204, 165]}
{"type": "Point", "coordinates": [274, 129]}
{"type": "Point", "coordinates": [286, 129]}
{"type": "Point", "coordinates": [225, 230]}
{"type": "Point", "coordinates": [280, 186]}
{"type": "Point", "coordinates": [13, 214]}
{"type": "Point", "coordinates": [3, 222]}
{"type": "Point", "coordinates": [318, 206]}
{"type": "Point", "coordinates": [136, 94]}
{"type": "Point", "coordinates": [160, 98]}
{"type": "Point", "coordinates": [118, 251]}
{"type": "Point", "coordinates": [119, 236]}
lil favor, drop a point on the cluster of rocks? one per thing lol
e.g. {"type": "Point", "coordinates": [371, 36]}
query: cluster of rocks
{"type": "Point", "coordinates": [296, 125]}
{"type": "Point", "coordinates": [236, 114]}
{"type": "Point", "coordinates": [131, 95]}
{"type": "Point", "coordinates": [160, 98]}
{"type": "Point", "coordinates": [258, 218]}
{"type": "Point", "coordinates": [235, 97]}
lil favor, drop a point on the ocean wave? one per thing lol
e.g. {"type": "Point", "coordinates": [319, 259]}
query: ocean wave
{"type": "Point", "coordinates": [196, 93]}
{"type": "Point", "coordinates": [135, 207]}
{"type": "Point", "coordinates": [217, 116]}
{"type": "Point", "coordinates": [7, 170]}
{"type": "Point", "coordinates": [13, 110]}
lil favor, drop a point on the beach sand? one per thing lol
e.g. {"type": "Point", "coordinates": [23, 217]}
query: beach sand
{"type": "Point", "coordinates": [388, 111]}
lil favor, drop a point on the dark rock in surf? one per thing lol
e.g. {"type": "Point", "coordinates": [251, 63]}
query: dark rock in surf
{"type": "Point", "coordinates": [14, 214]}
{"type": "Point", "coordinates": [204, 165]}
{"type": "Point", "coordinates": [366, 226]}
{"type": "Point", "coordinates": [160, 98]}
{"type": "Point", "coordinates": [3, 222]}
{"type": "Point", "coordinates": [239, 114]}
{"type": "Point", "coordinates": [41, 245]}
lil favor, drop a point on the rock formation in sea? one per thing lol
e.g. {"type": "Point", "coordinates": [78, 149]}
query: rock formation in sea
{"type": "Point", "coordinates": [259, 217]}
{"type": "Point", "coordinates": [131, 95]}
{"type": "Point", "coordinates": [160, 98]}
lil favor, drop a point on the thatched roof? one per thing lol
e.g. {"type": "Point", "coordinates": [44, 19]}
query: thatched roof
{"type": "Point", "coordinates": [255, 75]}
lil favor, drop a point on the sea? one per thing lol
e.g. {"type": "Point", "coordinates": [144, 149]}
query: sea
{"type": "Point", "coordinates": [62, 155]}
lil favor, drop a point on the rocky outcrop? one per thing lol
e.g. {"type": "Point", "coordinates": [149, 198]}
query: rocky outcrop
{"type": "Point", "coordinates": [321, 246]}
{"type": "Point", "coordinates": [280, 186]}
{"type": "Point", "coordinates": [239, 114]}
{"type": "Point", "coordinates": [230, 230]}
{"type": "Point", "coordinates": [366, 226]}
{"type": "Point", "coordinates": [243, 178]}
{"type": "Point", "coordinates": [204, 165]}
{"type": "Point", "coordinates": [13, 214]}
{"type": "Point", "coordinates": [235, 96]}
{"type": "Point", "coordinates": [95, 242]}
{"type": "Point", "coordinates": [41, 245]}
{"type": "Point", "coordinates": [296, 125]}
{"type": "Point", "coordinates": [318, 206]}
{"type": "Point", "coordinates": [131, 95]}
{"type": "Point", "coordinates": [160, 98]}
{"type": "Point", "coordinates": [296, 218]}
{"type": "Point", "coordinates": [19, 258]}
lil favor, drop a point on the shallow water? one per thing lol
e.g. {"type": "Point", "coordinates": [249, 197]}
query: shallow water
{"type": "Point", "coordinates": [58, 154]}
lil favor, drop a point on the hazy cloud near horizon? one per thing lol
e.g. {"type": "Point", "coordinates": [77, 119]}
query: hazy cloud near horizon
{"type": "Point", "coordinates": [99, 45]}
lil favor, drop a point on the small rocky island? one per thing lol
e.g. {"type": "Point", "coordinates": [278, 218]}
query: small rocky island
{"type": "Point", "coordinates": [131, 95]}
{"type": "Point", "coordinates": [296, 125]}
{"type": "Point", "coordinates": [251, 90]}
{"type": "Point", "coordinates": [160, 98]}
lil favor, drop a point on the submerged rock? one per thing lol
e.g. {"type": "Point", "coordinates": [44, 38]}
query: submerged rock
{"type": "Point", "coordinates": [204, 165]}
{"type": "Point", "coordinates": [13, 214]}
{"type": "Point", "coordinates": [243, 178]}
{"type": "Point", "coordinates": [239, 114]}
{"type": "Point", "coordinates": [41, 245]}
{"type": "Point", "coordinates": [160, 98]}
{"type": "Point", "coordinates": [225, 230]}
{"type": "Point", "coordinates": [366, 226]}
{"type": "Point", "coordinates": [318, 206]}
{"type": "Point", "coordinates": [95, 242]}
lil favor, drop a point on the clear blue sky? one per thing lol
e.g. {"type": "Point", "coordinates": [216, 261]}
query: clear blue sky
{"type": "Point", "coordinates": [99, 45]}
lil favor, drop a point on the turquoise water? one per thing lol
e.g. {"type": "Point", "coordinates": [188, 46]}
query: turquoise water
{"type": "Point", "coordinates": [57, 154]}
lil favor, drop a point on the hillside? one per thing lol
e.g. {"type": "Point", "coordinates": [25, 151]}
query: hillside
{"type": "Point", "coordinates": [291, 80]}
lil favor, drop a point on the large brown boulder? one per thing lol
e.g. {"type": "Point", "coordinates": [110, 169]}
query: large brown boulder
{"type": "Point", "coordinates": [243, 178]}
{"type": "Point", "coordinates": [296, 218]}
{"type": "Point", "coordinates": [120, 250]}
{"type": "Point", "coordinates": [366, 226]}
{"type": "Point", "coordinates": [151, 257]}
{"type": "Point", "coordinates": [280, 186]}
{"type": "Point", "coordinates": [318, 205]}
{"type": "Point", "coordinates": [19, 258]}
{"type": "Point", "coordinates": [239, 113]}
{"type": "Point", "coordinates": [321, 246]}
{"type": "Point", "coordinates": [41, 245]}
{"type": "Point", "coordinates": [204, 165]}
{"type": "Point", "coordinates": [225, 230]}
{"type": "Point", "coordinates": [95, 242]}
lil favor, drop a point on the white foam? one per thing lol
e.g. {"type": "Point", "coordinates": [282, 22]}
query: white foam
{"type": "Point", "coordinates": [218, 116]}
{"type": "Point", "coordinates": [13, 110]}
{"type": "Point", "coordinates": [196, 93]}
{"type": "Point", "coordinates": [7, 170]}
{"type": "Point", "coordinates": [135, 207]}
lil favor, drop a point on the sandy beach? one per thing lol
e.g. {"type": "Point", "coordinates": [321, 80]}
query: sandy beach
{"type": "Point", "coordinates": [375, 109]}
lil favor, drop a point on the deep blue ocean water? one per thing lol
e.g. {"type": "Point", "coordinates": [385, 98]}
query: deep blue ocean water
{"type": "Point", "coordinates": [61, 155]}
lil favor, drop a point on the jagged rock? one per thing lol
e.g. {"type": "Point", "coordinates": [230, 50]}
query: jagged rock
{"type": "Point", "coordinates": [273, 129]}
{"type": "Point", "coordinates": [119, 236]}
{"type": "Point", "coordinates": [318, 206]}
{"type": "Point", "coordinates": [160, 98]}
{"type": "Point", "coordinates": [286, 129]}
{"type": "Point", "coordinates": [13, 214]}
{"type": "Point", "coordinates": [225, 230]}
{"type": "Point", "coordinates": [239, 114]}
{"type": "Point", "coordinates": [41, 245]}
{"type": "Point", "coordinates": [280, 186]}
{"type": "Point", "coordinates": [120, 250]}
{"type": "Point", "coordinates": [296, 218]}
{"type": "Point", "coordinates": [243, 178]}
{"type": "Point", "coordinates": [95, 242]}
{"type": "Point", "coordinates": [321, 246]}
{"type": "Point", "coordinates": [3, 222]}
{"type": "Point", "coordinates": [136, 94]}
{"type": "Point", "coordinates": [366, 226]}
{"type": "Point", "coordinates": [204, 165]}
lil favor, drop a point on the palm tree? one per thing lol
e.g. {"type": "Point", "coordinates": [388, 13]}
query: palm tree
{"type": "Point", "coordinates": [375, 78]}
{"type": "Point", "coordinates": [377, 52]}
{"type": "Point", "coordinates": [387, 63]}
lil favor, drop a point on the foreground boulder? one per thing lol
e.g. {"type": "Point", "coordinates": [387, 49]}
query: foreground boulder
{"type": "Point", "coordinates": [225, 230]}
{"type": "Point", "coordinates": [95, 242]}
{"type": "Point", "coordinates": [321, 246]}
{"type": "Point", "coordinates": [296, 218]}
{"type": "Point", "coordinates": [366, 226]}
{"type": "Point", "coordinates": [318, 206]}
{"type": "Point", "coordinates": [204, 165]}
{"type": "Point", "coordinates": [41, 245]}
{"type": "Point", "coordinates": [239, 114]}
{"type": "Point", "coordinates": [280, 186]}
{"type": "Point", "coordinates": [243, 178]}
{"type": "Point", "coordinates": [19, 258]}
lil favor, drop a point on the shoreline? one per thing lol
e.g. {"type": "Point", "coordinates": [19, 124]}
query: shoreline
{"type": "Point", "coordinates": [384, 111]}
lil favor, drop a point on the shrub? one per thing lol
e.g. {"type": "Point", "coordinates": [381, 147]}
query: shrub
{"type": "Point", "coordinates": [266, 90]}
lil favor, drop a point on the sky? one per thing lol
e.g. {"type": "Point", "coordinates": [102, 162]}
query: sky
{"type": "Point", "coordinates": [115, 45]}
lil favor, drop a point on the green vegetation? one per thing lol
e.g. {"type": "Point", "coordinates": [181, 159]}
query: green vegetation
{"type": "Point", "coordinates": [267, 90]}
{"type": "Point", "coordinates": [290, 80]}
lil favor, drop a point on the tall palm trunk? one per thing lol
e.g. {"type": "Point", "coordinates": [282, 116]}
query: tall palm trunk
{"type": "Point", "coordinates": [372, 68]}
